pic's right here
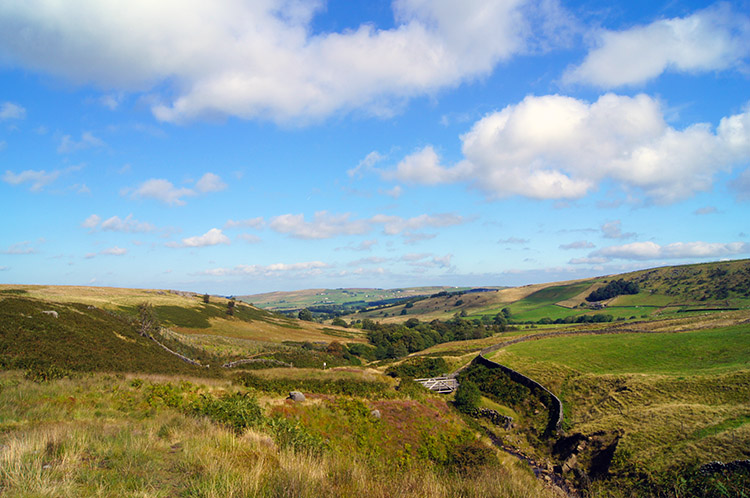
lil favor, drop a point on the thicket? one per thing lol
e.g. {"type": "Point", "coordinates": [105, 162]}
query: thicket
{"type": "Point", "coordinates": [398, 340]}
{"type": "Point", "coordinates": [495, 383]}
{"type": "Point", "coordinates": [613, 289]}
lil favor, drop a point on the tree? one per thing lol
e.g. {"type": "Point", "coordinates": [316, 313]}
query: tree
{"type": "Point", "coordinates": [467, 396]}
{"type": "Point", "coordinates": [338, 322]}
{"type": "Point", "coordinates": [147, 319]}
{"type": "Point", "coordinates": [206, 298]}
{"type": "Point", "coordinates": [305, 315]}
{"type": "Point", "coordinates": [230, 307]}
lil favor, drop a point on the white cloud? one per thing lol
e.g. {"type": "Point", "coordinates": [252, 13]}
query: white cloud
{"type": "Point", "coordinates": [129, 224]}
{"type": "Point", "coordinates": [366, 165]}
{"type": "Point", "coordinates": [210, 183]}
{"type": "Point", "coordinates": [556, 147]}
{"type": "Point", "coordinates": [263, 59]}
{"type": "Point", "coordinates": [713, 39]}
{"type": "Point", "coordinates": [116, 224]}
{"type": "Point", "coordinates": [92, 221]}
{"type": "Point", "coordinates": [513, 240]}
{"type": "Point", "coordinates": [162, 190]}
{"type": "Point", "coordinates": [372, 260]}
{"type": "Point", "coordinates": [9, 110]}
{"type": "Point", "coordinates": [424, 167]}
{"type": "Point", "coordinates": [323, 226]}
{"type": "Point", "coordinates": [211, 238]}
{"type": "Point", "coordinates": [579, 244]}
{"type": "Point", "coordinates": [87, 141]}
{"type": "Point", "coordinates": [114, 251]}
{"type": "Point", "coordinates": [642, 251]}
{"type": "Point", "coordinates": [20, 248]}
{"type": "Point", "coordinates": [394, 225]}
{"type": "Point", "coordinates": [613, 230]}
{"type": "Point", "coordinates": [37, 179]}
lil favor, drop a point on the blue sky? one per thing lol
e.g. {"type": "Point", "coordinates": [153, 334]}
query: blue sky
{"type": "Point", "coordinates": [237, 147]}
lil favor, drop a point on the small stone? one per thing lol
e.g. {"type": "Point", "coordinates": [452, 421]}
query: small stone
{"type": "Point", "coordinates": [46, 466]}
{"type": "Point", "coordinates": [296, 396]}
{"type": "Point", "coordinates": [375, 414]}
{"type": "Point", "coordinates": [51, 313]}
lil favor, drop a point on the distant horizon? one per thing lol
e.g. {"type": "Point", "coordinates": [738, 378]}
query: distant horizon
{"type": "Point", "coordinates": [473, 286]}
{"type": "Point", "coordinates": [244, 147]}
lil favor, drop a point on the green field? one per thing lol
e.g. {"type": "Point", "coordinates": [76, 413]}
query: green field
{"type": "Point", "coordinates": [686, 353]}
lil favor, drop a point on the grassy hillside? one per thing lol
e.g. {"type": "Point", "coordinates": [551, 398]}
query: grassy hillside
{"type": "Point", "coordinates": [186, 312]}
{"type": "Point", "coordinates": [667, 291]}
{"type": "Point", "coordinates": [352, 297]}
{"type": "Point", "coordinates": [80, 338]}
{"type": "Point", "coordinates": [675, 400]}
{"type": "Point", "coordinates": [143, 436]}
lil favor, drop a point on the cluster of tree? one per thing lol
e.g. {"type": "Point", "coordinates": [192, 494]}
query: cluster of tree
{"type": "Point", "coordinates": [397, 340]}
{"type": "Point", "coordinates": [596, 318]}
{"type": "Point", "coordinates": [613, 289]}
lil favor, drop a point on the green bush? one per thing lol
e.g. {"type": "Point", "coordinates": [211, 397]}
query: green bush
{"type": "Point", "coordinates": [467, 396]}
{"type": "Point", "coordinates": [238, 411]}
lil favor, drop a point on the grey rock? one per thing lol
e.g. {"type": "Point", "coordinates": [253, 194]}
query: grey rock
{"type": "Point", "coordinates": [51, 313]}
{"type": "Point", "coordinates": [296, 396]}
{"type": "Point", "coordinates": [375, 414]}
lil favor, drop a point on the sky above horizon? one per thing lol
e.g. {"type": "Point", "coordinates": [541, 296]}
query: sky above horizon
{"type": "Point", "coordinates": [238, 147]}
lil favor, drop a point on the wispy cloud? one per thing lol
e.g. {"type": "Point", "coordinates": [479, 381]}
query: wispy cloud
{"type": "Point", "coordinates": [308, 267]}
{"type": "Point", "coordinates": [87, 141]}
{"type": "Point", "coordinates": [37, 178]}
{"type": "Point", "coordinates": [9, 111]}
{"type": "Point", "coordinates": [20, 248]}
{"type": "Point", "coordinates": [117, 224]}
{"type": "Point", "coordinates": [165, 191]}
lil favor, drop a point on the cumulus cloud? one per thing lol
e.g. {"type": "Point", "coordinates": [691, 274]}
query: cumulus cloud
{"type": "Point", "coordinates": [37, 179]}
{"type": "Point", "coordinates": [166, 192]}
{"type": "Point", "coordinates": [162, 190]}
{"type": "Point", "coordinates": [324, 225]}
{"type": "Point", "coordinates": [557, 147]}
{"type": "Point", "coordinates": [263, 59]}
{"type": "Point", "coordinates": [9, 110]}
{"type": "Point", "coordinates": [642, 251]}
{"type": "Point", "coordinates": [712, 39]}
{"type": "Point", "coordinates": [211, 238]}
{"type": "Point", "coordinates": [210, 183]}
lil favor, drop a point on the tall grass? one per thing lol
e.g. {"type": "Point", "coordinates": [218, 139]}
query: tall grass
{"type": "Point", "coordinates": [116, 436]}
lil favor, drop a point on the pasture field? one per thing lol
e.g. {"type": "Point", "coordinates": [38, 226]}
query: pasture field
{"type": "Point", "coordinates": [677, 399]}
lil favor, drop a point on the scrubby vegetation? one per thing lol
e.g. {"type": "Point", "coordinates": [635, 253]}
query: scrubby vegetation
{"type": "Point", "coordinates": [613, 289]}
